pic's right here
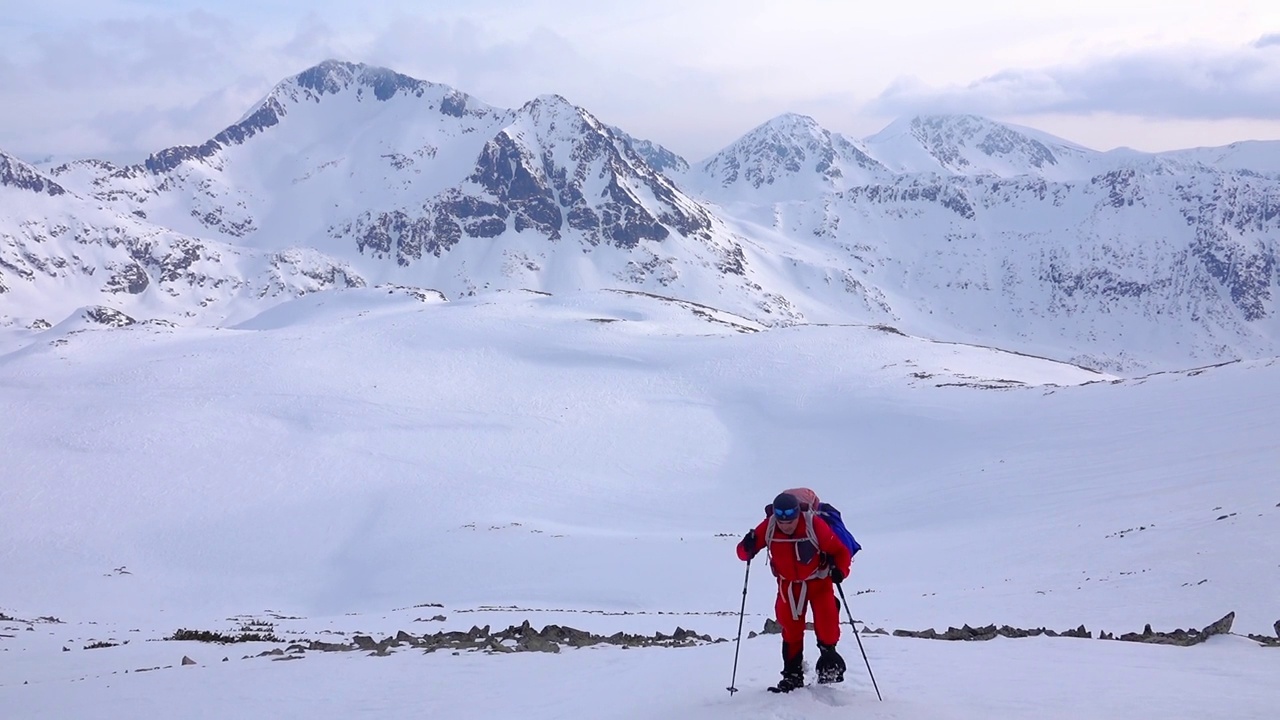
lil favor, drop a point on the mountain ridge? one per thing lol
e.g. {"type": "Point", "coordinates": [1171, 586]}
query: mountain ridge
{"type": "Point", "coordinates": [955, 227]}
{"type": "Point", "coordinates": [16, 173]}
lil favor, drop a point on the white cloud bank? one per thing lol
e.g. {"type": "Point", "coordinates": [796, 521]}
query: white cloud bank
{"type": "Point", "coordinates": [1187, 82]}
{"type": "Point", "coordinates": [126, 78]}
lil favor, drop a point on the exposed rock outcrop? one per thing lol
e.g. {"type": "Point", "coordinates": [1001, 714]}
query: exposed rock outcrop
{"type": "Point", "coordinates": [515, 638]}
{"type": "Point", "coordinates": [1177, 637]}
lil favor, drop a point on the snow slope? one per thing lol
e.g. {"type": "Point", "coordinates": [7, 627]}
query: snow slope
{"type": "Point", "coordinates": [1055, 679]}
{"type": "Point", "coordinates": [590, 459]}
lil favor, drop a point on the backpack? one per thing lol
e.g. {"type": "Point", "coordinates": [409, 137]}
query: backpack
{"type": "Point", "coordinates": [810, 507]}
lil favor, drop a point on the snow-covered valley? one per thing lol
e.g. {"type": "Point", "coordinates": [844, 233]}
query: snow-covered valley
{"type": "Point", "coordinates": [372, 461]}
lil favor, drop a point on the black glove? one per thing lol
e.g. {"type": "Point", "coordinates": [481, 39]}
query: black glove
{"type": "Point", "coordinates": [836, 576]}
{"type": "Point", "coordinates": [749, 543]}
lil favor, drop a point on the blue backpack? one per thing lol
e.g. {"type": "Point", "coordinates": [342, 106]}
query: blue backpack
{"type": "Point", "coordinates": [831, 516]}
{"type": "Point", "coordinates": [811, 507]}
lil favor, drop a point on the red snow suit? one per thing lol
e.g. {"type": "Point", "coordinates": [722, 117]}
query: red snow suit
{"type": "Point", "coordinates": [804, 579]}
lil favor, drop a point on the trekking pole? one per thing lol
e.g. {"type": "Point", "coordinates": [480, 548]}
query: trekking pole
{"type": "Point", "coordinates": [857, 637]}
{"type": "Point", "coordinates": [741, 613]}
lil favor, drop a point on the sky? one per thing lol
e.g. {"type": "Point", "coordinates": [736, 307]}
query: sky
{"type": "Point", "coordinates": [120, 79]}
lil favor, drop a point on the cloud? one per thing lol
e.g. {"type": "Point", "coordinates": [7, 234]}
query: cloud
{"type": "Point", "coordinates": [126, 88]}
{"type": "Point", "coordinates": [142, 51]}
{"type": "Point", "coordinates": [122, 89]}
{"type": "Point", "coordinates": [461, 53]}
{"type": "Point", "coordinates": [122, 86]}
{"type": "Point", "coordinates": [1189, 83]}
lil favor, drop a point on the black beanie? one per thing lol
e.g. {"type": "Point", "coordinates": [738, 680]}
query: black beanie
{"type": "Point", "coordinates": [786, 501]}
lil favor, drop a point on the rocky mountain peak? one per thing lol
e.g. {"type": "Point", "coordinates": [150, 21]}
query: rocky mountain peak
{"type": "Point", "coordinates": [658, 157]}
{"type": "Point", "coordinates": [552, 116]}
{"type": "Point", "coordinates": [792, 153]}
{"type": "Point", "coordinates": [949, 137]}
{"type": "Point", "coordinates": [18, 174]}
{"type": "Point", "coordinates": [1025, 239]}
{"type": "Point", "coordinates": [793, 123]}
{"type": "Point", "coordinates": [550, 102]}
{"type": "Point", "coordinates": [785, 132]}
{"type": "Point", "coordinates": [90, 165]}
{"type": "Point", "coordinates": [334, 77]}
{"type": "Point", "coordinates": [364, 83]}
{"type": "Point", "coordinates": [554, 170]}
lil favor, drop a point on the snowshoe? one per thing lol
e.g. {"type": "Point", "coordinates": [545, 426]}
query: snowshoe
{"type": "Point", "coordinates": [830, 665]}
{"type": "Point", "coordinates": [788, 683]}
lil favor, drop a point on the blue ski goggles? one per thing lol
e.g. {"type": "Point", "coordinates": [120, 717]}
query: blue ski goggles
{"type": "Point", "coordinates": [787, 514]}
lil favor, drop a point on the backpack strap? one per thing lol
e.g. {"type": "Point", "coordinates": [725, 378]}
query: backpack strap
{"type": "Point", "coordinates": [795, 600]}
{"type": "Point", "coordinates": [811, 537]}
{"type": "Point", "coordinates": [824, 568]}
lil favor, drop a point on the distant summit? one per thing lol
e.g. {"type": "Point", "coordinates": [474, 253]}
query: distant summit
{"type": "Point", "coordinates": [953, 226]}
{"type": "Point", "coordinates": [554, 169]}
{"type": "Point", "coordinates": [972, 145]}
{"type": "Point", "coordinates": [658, 157]}
{"type": "Point", "coordinates": [15, 173]}
{"type": "Point", "coordinates": [330, 78]}
{"type": "Point", "coordinates": [791, 156]}
{"type": "Point", "coordinates": [333, 77]}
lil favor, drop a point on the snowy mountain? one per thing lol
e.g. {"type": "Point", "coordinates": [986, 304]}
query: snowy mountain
{"type": "Point", "coordinates": [1180, 265]}
{"type": "Point", "coordinates": [1008, 236]}
{"type": "Point", "coordinates": [788, 158]}
{"type": "Point", "coordinates": [659, 158]}
{"type": "Point", "coordinates": [1250, 156]}
{"type": "Point", "coordinates": [954, 227]}
{"type": "Point", "coordinates": [971, 145]}
{"type": "Point", "coordinates": [554, 170]}
{"type": "Point", "coordinates": [396, 180]}
{"type": "Point", "coordinates": [60, 252]}
{"type": "Point", "coordinates": [17, 174]}
{"type": "Point", "coordinates": [383, 398]}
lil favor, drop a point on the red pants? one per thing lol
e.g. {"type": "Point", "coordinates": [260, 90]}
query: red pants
{"type": "Point", "coordinates": [821, 595]}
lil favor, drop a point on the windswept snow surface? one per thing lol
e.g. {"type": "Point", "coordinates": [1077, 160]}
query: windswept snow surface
{"type": "Point", "coordinates": [590, 460]}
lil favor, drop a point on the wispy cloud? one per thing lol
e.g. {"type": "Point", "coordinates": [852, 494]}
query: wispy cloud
{"type": "Point", "coordinates": [1172, 83]}
{"type": "Point", "coordinates": [124, 78]}
{"type": "Point", "coordinates": [126, 88]}
{"type": "Point", "coordinates": [131, 86]}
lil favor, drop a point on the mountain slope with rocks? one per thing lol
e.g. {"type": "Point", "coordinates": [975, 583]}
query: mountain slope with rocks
{"type": "Point", "coordinates": [954, 227]}
{"type": "Point", "coordinates": [1125, 269]}
{"type": "Point", "coordinates": [60, 251]}
{"type": "Point", "coordinates": [999, 235]}
{"type": "Point", "coordinates": [408, 182]}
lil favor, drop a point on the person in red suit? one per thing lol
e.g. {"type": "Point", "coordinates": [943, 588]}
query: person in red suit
{"type": "Point", "coordinates": [807, 558]}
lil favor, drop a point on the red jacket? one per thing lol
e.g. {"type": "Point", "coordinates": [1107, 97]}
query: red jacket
{"type": "Point", "coordinates": [792, 557]}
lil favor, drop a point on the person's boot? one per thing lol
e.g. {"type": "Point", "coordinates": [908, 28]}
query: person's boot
{"type": "Point", "coordinates": [792, 671]}
{"type": "Point", "coordinates": [830, 665]}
